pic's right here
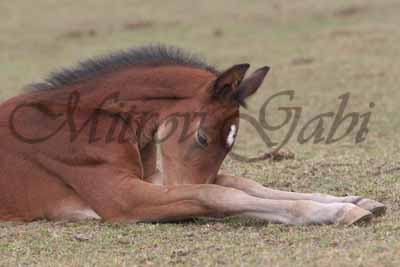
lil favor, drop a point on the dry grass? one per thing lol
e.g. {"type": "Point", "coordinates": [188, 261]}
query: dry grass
{"type": "Point", "coordinates": [320, 49]}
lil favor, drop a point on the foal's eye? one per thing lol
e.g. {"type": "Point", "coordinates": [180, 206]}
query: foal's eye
{"type": "Point", "coordinates": [201, 138]}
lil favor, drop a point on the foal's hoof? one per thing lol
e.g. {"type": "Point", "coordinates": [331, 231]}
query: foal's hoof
{"type": "Point", "coordinates": [376, 208]}
{"type": "Point", "coordinates": [355, 215]}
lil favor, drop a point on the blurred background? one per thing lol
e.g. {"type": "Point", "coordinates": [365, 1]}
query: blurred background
{"type": "Point", "coordinates": [319, 49]}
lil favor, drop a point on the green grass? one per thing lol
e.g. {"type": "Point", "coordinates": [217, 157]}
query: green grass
{"type": "Point", "coordinates": [320, 49]}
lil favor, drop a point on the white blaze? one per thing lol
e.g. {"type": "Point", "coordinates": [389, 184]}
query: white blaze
{"type": "Point", "coordinates": [231, 136]}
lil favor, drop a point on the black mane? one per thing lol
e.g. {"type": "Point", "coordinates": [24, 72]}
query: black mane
{"type": "Point", "coordinates": [151, 54]}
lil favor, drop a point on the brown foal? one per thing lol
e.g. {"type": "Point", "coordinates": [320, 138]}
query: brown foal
{"type": "Point", "coordinates": [84, 145]}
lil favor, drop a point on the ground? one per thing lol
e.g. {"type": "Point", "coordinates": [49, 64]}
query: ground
{"type": "Point", "coordinates": [319, 49]}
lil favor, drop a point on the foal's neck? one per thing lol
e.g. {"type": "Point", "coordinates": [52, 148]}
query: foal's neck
{"type": "Point", "coordinates": [157, 82]}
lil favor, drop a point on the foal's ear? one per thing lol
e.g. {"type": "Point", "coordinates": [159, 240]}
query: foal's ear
{"type": "Point", "coordinates": [230, 79]}
{"type": "Point", "coordinates": [250, 85]}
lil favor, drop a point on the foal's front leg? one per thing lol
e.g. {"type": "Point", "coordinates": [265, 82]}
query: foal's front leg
{"type": "Point", "coordinates": [148, 202]}
{"type": "Point", "coordinates": [129, 199]}
{"type": "Point", "coordinates": [255, 189]}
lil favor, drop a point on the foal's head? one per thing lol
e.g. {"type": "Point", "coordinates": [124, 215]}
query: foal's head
{"type": "Point", "coordinates": [193, 153]}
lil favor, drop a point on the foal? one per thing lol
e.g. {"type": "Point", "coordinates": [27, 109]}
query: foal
{"type": "Point", "coordinates": [83, 145]}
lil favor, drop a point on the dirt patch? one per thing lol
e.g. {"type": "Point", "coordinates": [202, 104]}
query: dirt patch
{"type": "Point", "coordinates": [77, 34]}
{"type": "Point", "coordinates": [218, 33]}
{"type": "Point", "coordinates": [302, 61]}
{"type": "Point", "coordinates": [350, 11]}
{"type": "Point", "coordinates": [362, 76]}
{"type": "Point", "coordinates": [138, 25]}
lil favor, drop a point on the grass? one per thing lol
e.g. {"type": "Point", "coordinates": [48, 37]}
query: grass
{"type": "Point", "coordinates": [319, 49]}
